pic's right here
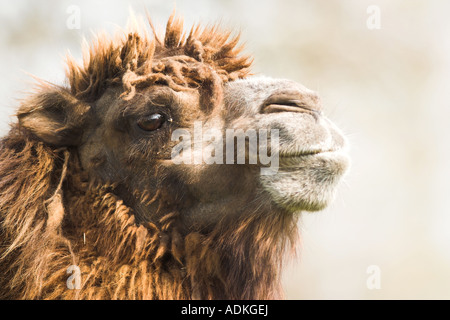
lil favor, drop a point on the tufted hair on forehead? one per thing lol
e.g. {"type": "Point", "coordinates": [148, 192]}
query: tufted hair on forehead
{"type": "Point", "coordinates": [139, 58]}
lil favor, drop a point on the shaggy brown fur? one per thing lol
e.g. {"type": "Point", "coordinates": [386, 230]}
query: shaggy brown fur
{"type": "Point", "coordinates": [52, 215]}
{"type": "Point", "coordinates": [118, 259]}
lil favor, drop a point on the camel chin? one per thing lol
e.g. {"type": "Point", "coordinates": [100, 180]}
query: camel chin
{"type": "Point", "coordinates": [306, 182]}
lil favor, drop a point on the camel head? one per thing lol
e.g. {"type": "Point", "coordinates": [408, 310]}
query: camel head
{"type": "Point", "coordinates": [178, 125]}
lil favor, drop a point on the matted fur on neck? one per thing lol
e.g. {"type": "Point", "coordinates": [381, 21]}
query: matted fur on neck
{"type": "Point", "coordinates": [91, 228]}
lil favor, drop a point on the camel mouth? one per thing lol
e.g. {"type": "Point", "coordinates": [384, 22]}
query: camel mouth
{"type": "Point", "coordinates": [308, 153]}
{"type": "Point", "coordinates": [301, 154]}
{"type": "Point", "coordinates": [306, 181]}
{"type": "Point", "coordinates": [291, 162]}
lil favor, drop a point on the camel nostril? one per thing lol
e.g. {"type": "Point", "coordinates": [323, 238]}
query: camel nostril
{"type": "Point", "coordinates": [292, 101]}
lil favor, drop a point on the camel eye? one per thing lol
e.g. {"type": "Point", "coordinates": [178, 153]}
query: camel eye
{"type": "Point", "coordinates": [152, 122]}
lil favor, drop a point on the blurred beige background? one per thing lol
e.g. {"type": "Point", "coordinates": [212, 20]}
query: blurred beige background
{"type": "Point", "coordinates": [387, 88]}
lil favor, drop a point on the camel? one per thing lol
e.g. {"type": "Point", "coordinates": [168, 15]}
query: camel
{"type": "Point", "coordinates": [94, 205]}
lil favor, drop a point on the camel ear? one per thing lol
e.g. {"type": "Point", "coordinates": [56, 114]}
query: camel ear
{"type": "Point", "coordinates": [55, 116]}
